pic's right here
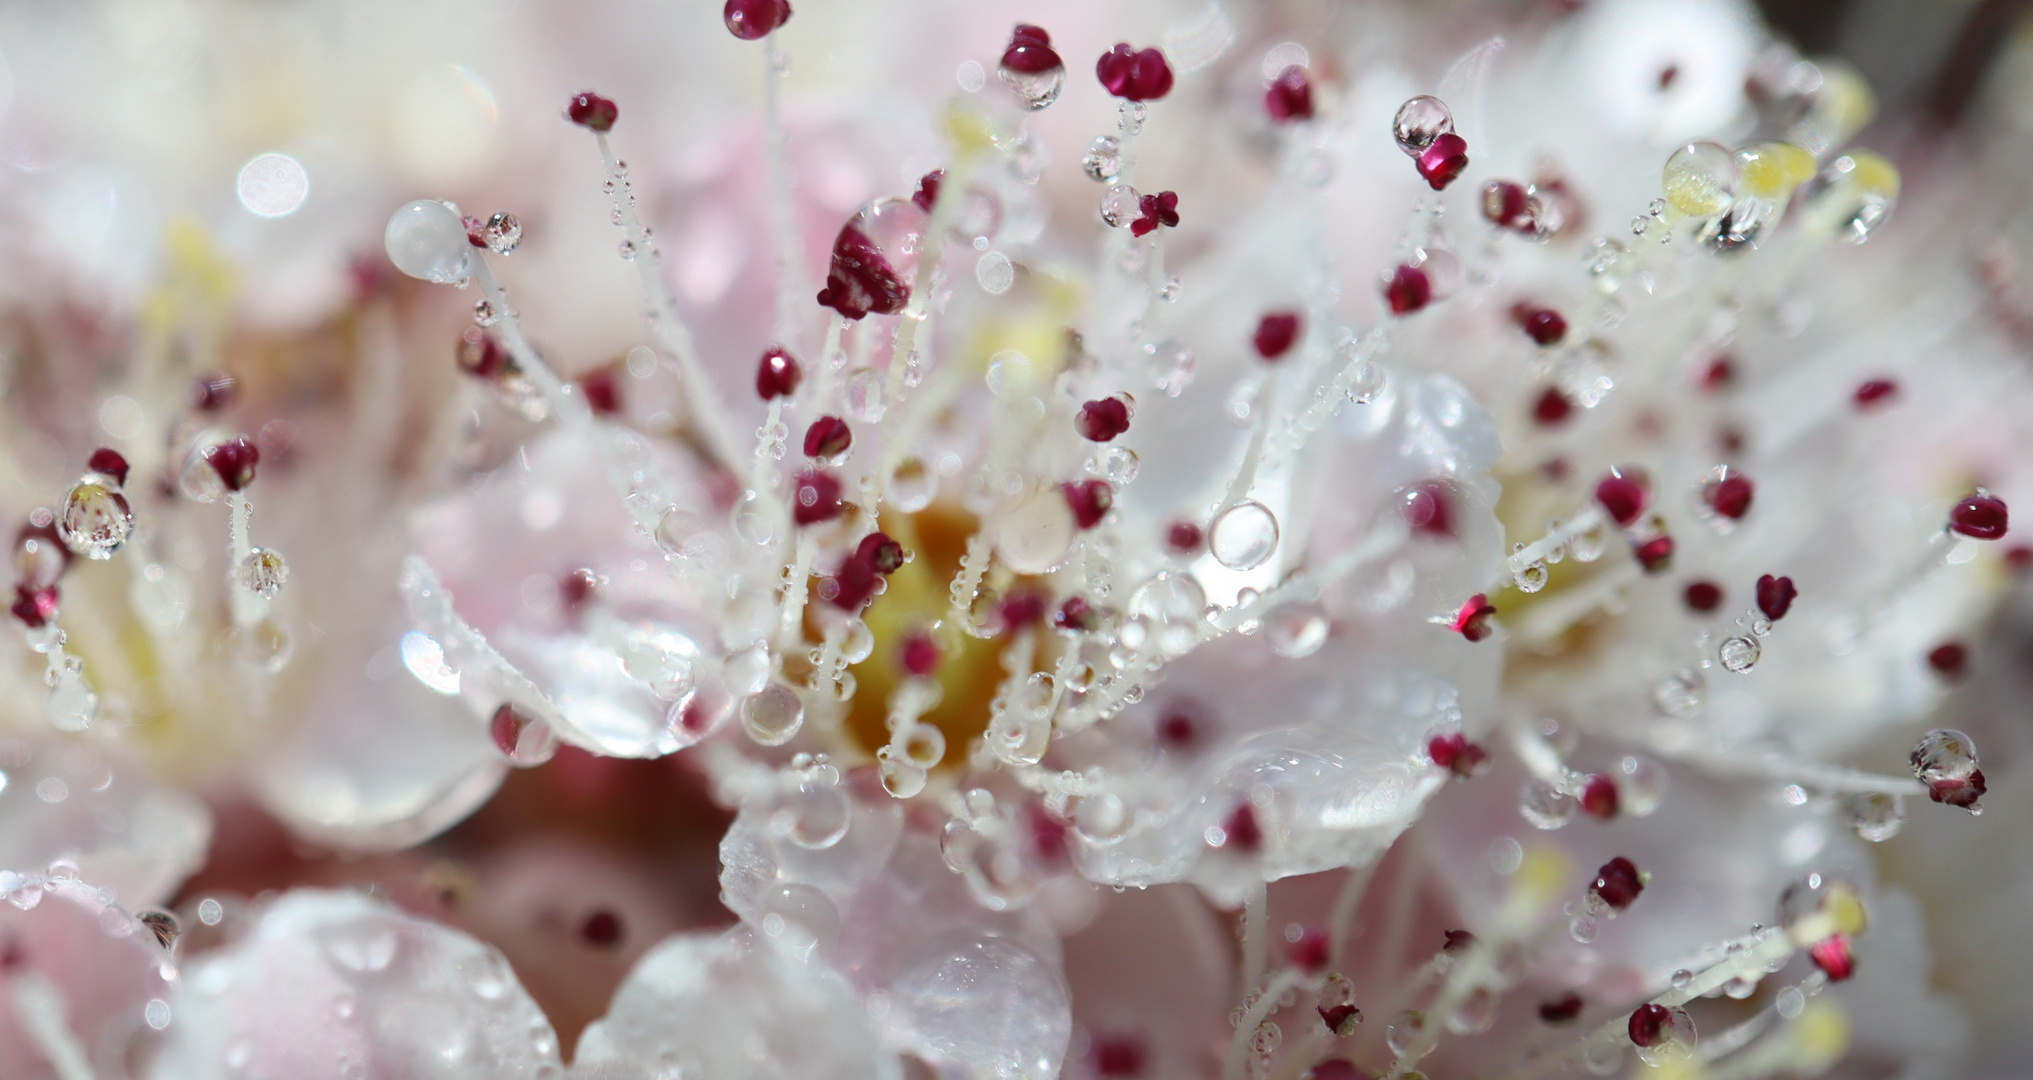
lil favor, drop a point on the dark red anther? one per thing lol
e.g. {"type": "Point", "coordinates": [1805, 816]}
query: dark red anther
{"type": "Point", "coordinates": [1599, 797]}
{"type": "Point", "coordinates": [777, 375]}
{"type": "Point", "coordinates": [1949, 659]}
{"type": "Point", "coordinates": [859, 280]}
{"type": "Point", "coordinates": [1337, 1068]}
{"type": "Point", "coordinates": [1542, 324]}
{"type": "Point", "coordinates": [1134, 75]}
{"type": "Point", "coordinates": [1621, 497]}
{"type": "Point", "coordinates": [213, 392]}
{"type": "Point", "coordinates": [881, 553]}
{"type": "Point", "coordinates": [1444, 160]}
{"type": "Point", "coordinates": [1030, 51]}
{"type": "Point", "coordinates": [1876, 394]}
{"type": "Point", "coordinates": [1176, 731]}
{"type": "Point", "coordinates": [1118, 1055]}
{"type": "Point", "coordinates": [1729, 496]}
{"type": "Point", "coordinates": [601, 929]}
{"type": "Point", "coordinates": [589, 110]}
{"type": "Point", "coordinates": [107, 461]}
{"type": "Point", "coordinates": [1102, 419]}
{"type": "Point", "coordinates": [1428, 510]}
{"type": "Point", "coordinates": [1832, 955]}
{"type": "Point", "coordinates": [577, 588]}
{"type": "Point", "coordinates": [1979, 517]}
{"type": "Point", "coordinates": [853, 584]}
{"type": "Point", "coordinates": [1408, 290]}
{"type": "Point", "coordinates": [2019, 559]}
{"type": "Point", "coordinates": [480, 355]}
{"type": "Point", "coordinates": [1341, 1020]}
{"type": "Point", "coordinates": [816, 497]}
{"type": "Point", "coordinates": [919, 655]}
{"type": "Point", "coordinates": [1290, 96]}
{"type": "Point", "coordinates": [1564, 1009]}
{"type": "Point", "coordinates": [1051, 837]}
{"type": "Point", "coordinates": [828, 437]}
{"type": "Point", "coordinates": [928, 190]}
{"type": "Point", "coordinates": [1962, 793]}
{"type": "Point", "coordinates": [1241, 831]}
{"type": "Point", "coordinates": [476, 231]}
{"type": "Point", "coordinates": [1090, 500]}
{"type": "Point", "coordinates": [1076, 614]}
{"type": "Point", "coordinates": [1552, 407]}
{"type": "Point", "coordinates": [1775, 596]}
{"type": "Point", "coordinates": [1184, 538]}
{"type": "Point", "coordinates": [1276, 332]}
{"type": "Point", "coordinates": [35, 606]}
{"type": "Point", "coordinates": [1024, 606]}
{"type": "Point", "coordinates": [1650, 1024]}
{"type": "Point", "coordinates": [1703, 595]}
{"type": "Point", "coordinates": [234, 460]}
{"type": "Point", "coordinates": [1473, 620]}
{"type": "Point", "coordinates": [1618, 883]}
{"type": "Point", "coordinates": [1507, 205]}
{"type": "Point", "coordinates": [1458, 942]}
{"type": "Point", "coordinates": [602, 390]}
{"type": "Point", "coordinates": [1310, 951]}
{"type": "Point", "coordinates": [1719, 373]}
{"type": "Point", "coordinates": [1156, 210]}
{"type": "Point", "coordinates": [753, 20]}
{"type": "Point", "coordinates": [1655, 555]}
{"type": "Point", "coordinates": [1457, 755]}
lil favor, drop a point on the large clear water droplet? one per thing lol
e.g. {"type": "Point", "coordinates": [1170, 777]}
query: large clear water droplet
{"type": "Point", "coordinates": [1119, 206]}
{"type": "Point", "coordinates": [773, 716]}
{"type": "Point", "coordinates": [1420, 121]}
{"type": "Point", "coordinates": [95, 520]}
{"type": "Point", "coordinates": [1740, 653]}
{"type": "Point", "coordinates": [1168, 611]}
{"type": "Point", "coordinates": [1103, 161]}
{"type": "Point", "coordinates": [1296, 630]}
{"type": "Point", "coordinates": [1874, 815]}
{"type": "Point", "coordinates": [1244, 536]}
{"type": "Point", "coordinates": [263, 573]}
{"type": "Point", "coordinates": [425, 239]}
{"type": "Point", "coordinates": [812, 812]}
{"type": "Point", "coordinates": [1545, 806]}
{"type": "Point", "coordinates": [1034, 89]}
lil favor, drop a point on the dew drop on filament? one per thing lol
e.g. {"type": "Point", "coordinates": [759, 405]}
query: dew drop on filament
{"type": "Point", "coordinates": [1244, 536]}
{"type": "Point", "coordinates": [773, 716]}
{"type": "Point", "coordinates": [1740, 653]}
{"type": "Point", "coordinates": [96, 519]}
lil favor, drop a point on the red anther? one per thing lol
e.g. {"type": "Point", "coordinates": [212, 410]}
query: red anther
{"type": "Point", "coordinates": [1561, 1010]}
{"type": "Point", "coordinates": [578, 587]}
{"type": "Point", "coordinates": [34, 605]}
{"type": "Point", "coordinates": [1444, 160]}
{"type": "Point", "coordinates": [777, 375]}
{"type": "Point", "coordinates": [1876, 394]}
{"type": "Point", "coordinates": [1176, 731]}
{"type": "Point", "coordinates": [1719, 373]}
{"type": "Point", "coordinates": [1649, 1024]}
{"type": "Point", "coordinates": [1552, 407]}
{"type": "Point", "coordinates": [589, 110]}
{"type": "Point", "coordinates": [1030, 51]}
{"type": "Point", "coordinates": [603, 391]}
{"type": "Point", "coordinates": [1337, 1068]}
{"type": "Point", "coordinates": [1963, 792]}
{"type": "Point", "coordinates": [860, 280]}
{"type": "Point", "coordinates": [213, 392]}
{"type": "Point", "coordinates": [1428, 511]}
{"type": "Point", "coordinates": [1241, 830]}
{"type": "Point", "coordinates": [1703, 595]}
{"type": "Point", "coordinates": [1730, 495]}
{"type": "Point", "coordinates": [480, 355]}
{"type": "Point", "coordinates": [1832, 955]}
{"type": "Point", "coordinates": [1118, 1056]}
{"type": "Point", "coordinates": [107, 461]}
{"type": "Point", "coordinates": [1024, 606]}
{"type": "Point", "coordinates": [816, 497]}
{"type": "Point", "coordinates": [1979, 517]}
{"type": "Point", "coordinates": [1622, 497]}
{"type": "Point", "coordinates": [506, 729]}
{"type": "Point", "coordinates": [1775, 596]}
{"type": "Point", "coordinates": [1102, 419]}
{"type": "Point", "coordinates": [1090, 500]}
{"type": "Point", "coordinates": [1134, 75]}
{"type": "Point", "coordinates": [1655, 555]}
{"type": "Point", "coordinates": [1341, 1020]}
{"type": "Point", "coordinates": [1077, 614]}
{"type": "Point", "coordinates": [1458, 942]}
{"type": "Point", "coordinates": [1508, 205]}
{"type": "Point", "coordinates": [828, 438]}
{"type": "Point", "coordinates": [1156, 210]}
{"type": "Point", "coordinates": [234, 460]}
{"type": "Point", "coordinates": [881, 553]}
{"type": "Point", "coordinates": [1618, 883]}
{"type": "Point", "coordinates": [928, 190]}
{"type": "Point", "coordinates": [1949, 659]}
{"type": "Point", "coordinates": [752, 20]}
{"type": "Point", "coordinates": [1276, 332]}
{"type": "Point", "coordinates": [1542, 324]}
{"type": "Point", "coordinates": [919, 655]}
{"type": "Point", "coordinates": [1599, 797]}
{"type": "Point", "coordinates": [1408, 290]}
{"type": "Point", "coordinates": [1290, 96]}
{"type": "Point", "coordinates": [1457, 755]}
{"type": "Point", "coordinates": [1310, 952]}
{"type": "Point", "coordinates": [1184, 538]}
{"type": "Point", "coordinates": [1473, 620]}
{"type": "Point", "coordinates": [601, 929]}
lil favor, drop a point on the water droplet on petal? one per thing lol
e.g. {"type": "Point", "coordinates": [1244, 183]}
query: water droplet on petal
{"type": "Point", "coordinates": [1545, 806]}
{"type": "Point", "coordinates": [773, 716]}
{"type": "Point", "coordinates": [1244, 536]}
{"type": "Point", "coordinates": [1740, 653]}
{"type": "Point", "coordinates": [1296, 630]}
{"type": "Point", "coordinates": [263, 573]}
{"type": "Point", "coordinates": [425, 239]}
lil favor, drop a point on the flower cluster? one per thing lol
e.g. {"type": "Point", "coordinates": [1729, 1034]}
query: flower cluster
{"type": "Point", "coordinates": [1210, 628]}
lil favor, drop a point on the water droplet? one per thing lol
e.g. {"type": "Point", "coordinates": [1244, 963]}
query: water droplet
{"type": "Point", "coordinates": [1476, 1013]}
{"type": "Point", "coordinates": [1545, 806]}
{"type": "Point", "coordinates": [1420, 121]}
{"type": "Point", "coordinates": [96, 519]}
{"type": "Point", "coordinates": [865, 396]}
{"type": "Point", "coordinates": [1266, 1039]}
{"type": "Point", "coordinates": [1681, 694]}
{"type": "Point", "coordinates": [502, 234]}
{"type": "Point", "coordinates": [1874, 815]}
{"type": "Point", "coordinates": [263, 573]}
{"type": "Point", "coordinates": [161, 924]}
{"type": "Point", "coordinates": [1166, 612]}
{"type": "Point", "coordinates": [1366, 382]}
{"type": "Point", "coordinates": [1681, 978]}
{"type": "Point", "coordinates": [425, 239]}
{"type": "Point", "coordinates": [1103, 160]}
{"type": "Point", "coordinates": [1740, 653]}
{"type": "Point", "coordinates": [747, 671]}
{"type": "Point", "coordinates": [1296, 630]}
{"type": "Point", "coordinates": [626, 249]}
{"type": "Point", "coordinates": [1677, 1040]}
{"type": "Point", "coordinates": [773, 716]}
{"type": "Point", "coordinates": [812, 812]}
{"type": "Point", "coordinates": [1116, 464]}
{"type": "Point", "coordinates": [1241, 403]}
{"type": "Point", "coordinates": [1398, 1037]}
{"type": "Point", "coordinates": [1700, 179]}
{"type": "Point", "coordinates": [912, 485]}
{"type": "Point", "coordinates": [1034, 536]}
{"type": "Point", "coordinates": [1790, 1002]}
{"type": "Point", "coordinates": [1641, 783]}
{"type": "Point", "coordinates": [1034, 90]}
{"type": "Point", "coordinates": [899, 777]}
{"type": "Point", "coordinates": [799, 919]}
{"type": "Point", "coordinates": [1530, 579]}
{"type": "Point", "coordinates": [1119, 206]}
{"type": "Point", "coordinates": [484, 313]}
{"type": "Point", "coordinates": [1943, 754]}
{"type": "Point", "coordinates": [1244, 536]}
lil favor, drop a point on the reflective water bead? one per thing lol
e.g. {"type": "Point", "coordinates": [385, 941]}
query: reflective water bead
{"type": "Point", "coordinates": [747, 671]}
{"type": "Point", "coordinates": [263, 573]}
{"type": "Point", "coordinates": [95, 519]}
{"type": "Point", "coordinates": [753, 20]}
{"type": "Point", "coordinates": [1771, 170]}
{"type": "Point", "coordinates": [1168, 609]}
{"type": "Point", "coordinates": [899, 777]}
{"type": "Point", "coordinates": [1419, 122]}
{"type": "Point", "coordinates": [1662, 1034]}
{"type": "Point", "coordinates": [1874, 815]}
{"type": "Point", "coordinates": [1244, 536]}
{"type": "Point", "coordinates": [1296, 630]}
{"type": "Point", "coordinates": [1943, 754]}
{"type": "Point", "coordinates": [1103, 160]}
{"type": "Point", "coordinates": [523, 740]}
{"type": "Point", "coordinates": [799, 919]}
{"type": "Point", "coordinates": [773, 716]}
{"type": "Point", "coordinates": [1266, 1039]}
{"type": "Point", "coordinates": [1476, 1013]}
{"type": "Point", "coordinates": [1700, 179]}
{"type": "Point", "coordinates": [426, 239]}
{"type": "Point", "coordinates": [912, 485]}
{"type": "Point", "coordinates": [1120, 206]}
{"type": "Point", "coordinates": [1852, 196]}
{"type": "Point", "coordinates": [1034, 536]}
{"type": "Point", "coordinates": [1404, 1028]}
{"type": "Point", "coordinates": [1031, 68]}
{"type": "Point", "coordinates": [1681, 695]}
{"type": "Point", "coordinates": [1739, 653]}
{"type": "Point", "coordinates": [1116, 464]}
{"type": "Point", "coordinates": [502, 233]}
{"type": "Point", "coordinates": [1641, 784]}
{"type": "Point", "coordinates": [874, 258]}
{"type": "Point", "coordinates": [1544, 805]}
{"type": "Point", "coordinates": [813, 813]}
{"type": "Point", "coordinates": [924, 745]}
